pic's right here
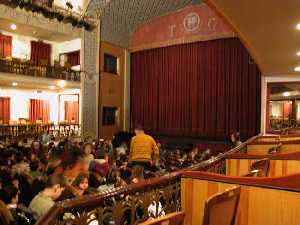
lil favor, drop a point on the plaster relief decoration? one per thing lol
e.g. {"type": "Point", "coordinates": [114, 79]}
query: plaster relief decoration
{"type": "Point", "coordinates": [190, 24]}
{"type": "Point", "coordinates": [37, 20]}
{"type": "Point", "coordinates": [51, 12]}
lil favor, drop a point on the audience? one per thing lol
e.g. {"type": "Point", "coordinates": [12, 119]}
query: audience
{"type": "Point", "coordinates": [35, 174]}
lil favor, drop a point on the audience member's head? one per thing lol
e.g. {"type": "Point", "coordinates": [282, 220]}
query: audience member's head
{"type": "Point", "coordinates": [34, 165]}
{"type": "Point", "coordinates": [81, 182]}
{"type": "Point", "coordinates": [87, 148]}
{"type": "Point", "coordinates": [55, 186]}
{"type": "Point", "coordinates": [9, 195]}
{"type": "Point", "coordinates": [138, 129]}
{"type": "Point", "coordinates": [19, 157]}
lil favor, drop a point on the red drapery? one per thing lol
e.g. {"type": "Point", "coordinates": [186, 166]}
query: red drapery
{"type": "Point", "coordinates": [5, 46]}
{"type": "Point", "coordinates": [40, 53]}
{"type": "Point", "coordinates": [73, 58]}
{"type": "Point", "coordinates": [287, 109]}
{"type": "Point", "coordinates": [39, 110]}
{"type": "Point", "coordinates": [204, 89]}
{"type": "Point", "coordinates": [5, 109]}
{"type": "Point", "coordinates": [71, 111]}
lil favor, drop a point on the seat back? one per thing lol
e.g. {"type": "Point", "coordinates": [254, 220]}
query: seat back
{"type": "Point", "coordinates": [275, 149]}
{"type": "Point", "coordinates": [220, 209]}
{"type": "Point", "coordinates": [176, 218]}
{"type": "Point", "coordinates": [261, 166]}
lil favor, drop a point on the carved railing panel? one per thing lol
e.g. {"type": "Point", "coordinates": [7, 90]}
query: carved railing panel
{"type": "Point", "coordinates": [129, 205]}
{"type": "Point", "coordinates": [126, 209]}
{"type": "Point", "coordinates": [31, 130]}
{"type": "Point", "coordinates": [25, 68]}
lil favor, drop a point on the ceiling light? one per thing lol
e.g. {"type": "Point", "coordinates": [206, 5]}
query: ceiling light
{"type": "Point", "coordinates": [14, 84]}
{"type": "Point", "coordinates": [297, 69]}
{"type": "Point", "coordinates": [13, 26]}
{"type": "Point", "coordinates": [52, 87]}
{"type": "Point", "coordinates": [61, 83]}
{"type": "Point", "coordinates": [286, 94]}
{"type": "Point", "coordinates": [298, 53]}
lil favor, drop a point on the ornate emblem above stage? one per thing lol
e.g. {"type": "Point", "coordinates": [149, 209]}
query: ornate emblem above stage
{"type": "Point", "coordinates": [191, 24]}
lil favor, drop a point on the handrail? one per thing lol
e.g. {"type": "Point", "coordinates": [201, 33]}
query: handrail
{"type": "Point", "coordinates": [94, 200]}
{"type": "Point", "coordinates": [28, 69]}
{"type": "Point", "coordinates": [275, 156]}
{"type": "Point", "coordinates": [289, 182]}
{"type": "Point", "coordinates": [284, 142]}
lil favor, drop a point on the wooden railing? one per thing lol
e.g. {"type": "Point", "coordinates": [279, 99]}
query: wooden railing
{"type": "Point", "coordinates": [32, 130]}
{"type": "Point", "coordinates": [129, 205]}
{"type": "Point", "coordinates": [26, 68]}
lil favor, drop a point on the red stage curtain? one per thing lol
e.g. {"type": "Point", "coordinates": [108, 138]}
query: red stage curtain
{"type": "Point", "coordinates": [5, 109]}
{"type": "Point", "coordinates": [71, 111]}
{"type": "Point", "coordinates": [5, 46]}
{"type": "Point", "coordinates": [73, 58]}
{"type": "Point", "coordinates": [39, 110]}
{"type": "Point", "coordinates": [204, 89]}
{"type": "Point", "coordinates": [40, 52]}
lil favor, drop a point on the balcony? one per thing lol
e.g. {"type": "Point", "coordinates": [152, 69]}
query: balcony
{"type": "Point", "coordinates": [16, 66]}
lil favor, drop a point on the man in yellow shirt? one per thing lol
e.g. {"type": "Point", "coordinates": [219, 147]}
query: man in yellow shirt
{"type": "Point", "coordinates": [143, 149]}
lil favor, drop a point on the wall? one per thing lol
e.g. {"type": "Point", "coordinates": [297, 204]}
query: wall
{"type": "Point", "coordinates": [68, 46]}
{"type": "Point", "coordinates": [21, 46]}
{"type": "Point", "coordinates": [77, 4]}
{"type": "Point", "coordinates": [62, 100]}
{"type": "Point", "coordinates": [111, 89]}
{"type": "Point", "coordinates": [276, 109]}
{"type": "Point", "coordinates": [20, 99]}
{"type": "Point", "coordinates": [190, 24]}
{"type": "Point", "coordinates": [264, 82]}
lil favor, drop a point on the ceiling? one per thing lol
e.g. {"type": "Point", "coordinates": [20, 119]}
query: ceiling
{"type": "Point", "coordinates": [27, 82]}
{"type": "Point", "coordinates": [268, 30]}
{"type": "Point", "coordinates": [35, 32]}
{"type": "Point", "coordinates": [120, 18]}
{"type": "Point", "coordinates": [279, 88]}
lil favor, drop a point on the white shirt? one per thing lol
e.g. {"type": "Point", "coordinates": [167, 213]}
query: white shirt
{"type": "Point", "coordinates": [152, 210]}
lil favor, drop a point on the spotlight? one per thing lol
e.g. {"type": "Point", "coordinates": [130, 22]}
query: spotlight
{"type": "Point", "coordinates": [13, 26]}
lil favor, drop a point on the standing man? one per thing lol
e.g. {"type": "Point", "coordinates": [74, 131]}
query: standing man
{"type": "Point", "coordinates": [143, 149]}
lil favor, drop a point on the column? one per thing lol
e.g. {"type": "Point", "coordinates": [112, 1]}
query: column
{"type": "Point", "coordinates": [90, 82]}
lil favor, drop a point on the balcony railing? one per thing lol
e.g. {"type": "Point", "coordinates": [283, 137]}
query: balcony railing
{"type": "Point", "coordinates": [32, 130]}
{"type": "Point", "coordinates": [129, 205]}
{"type": "Point", "coordinates": [28, 69]}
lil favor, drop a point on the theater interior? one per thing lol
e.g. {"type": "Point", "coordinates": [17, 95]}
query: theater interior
{"type": "Point", "coordinates": [125, 112]}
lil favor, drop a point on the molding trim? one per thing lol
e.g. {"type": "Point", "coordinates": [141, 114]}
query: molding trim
{"type": "Point", "coordinates": [37, 20]}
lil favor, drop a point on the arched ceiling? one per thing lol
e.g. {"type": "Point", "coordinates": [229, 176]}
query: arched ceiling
{"type": "Point", "coordinates": [268, 29]}
{"type": "Point", "coordinates": [120, 18]}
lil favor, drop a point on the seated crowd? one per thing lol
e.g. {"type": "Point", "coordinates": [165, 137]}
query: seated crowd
{"type": "Point", "coordinates": [35, 173]}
